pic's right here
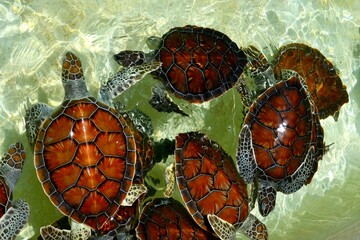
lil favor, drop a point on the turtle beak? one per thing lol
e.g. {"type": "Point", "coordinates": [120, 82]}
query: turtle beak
{"type": "Point", "coordinates": [72, 69]}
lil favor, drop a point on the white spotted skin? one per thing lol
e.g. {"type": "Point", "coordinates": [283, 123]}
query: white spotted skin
{"type": "Point", "coordinates": [170, 180]}
{"type": "Point", "coordinates": [78, 232]}
{"type": "Point", "coordinates": [135, 191]}
{"type": "Point", "coordinates": [14, 220]}
{"type": "Point", "coordinates": [124, 79]}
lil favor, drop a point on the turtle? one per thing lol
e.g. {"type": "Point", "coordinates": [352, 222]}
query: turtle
{"type": "Point", "coordinates": [13, 214]}
{"type": "Point", "coordinates": [213, 192]}
{"type": "Point", "coordinates": [84, 150]}
{"type": "Point", "coordinates": [198, 64]}
{"type": "Point", "coordinates": [166, 218]}
{"type": "Point", "coordinates": [322, 79]}
{"type": "Point", "coordinates": [281, 140]}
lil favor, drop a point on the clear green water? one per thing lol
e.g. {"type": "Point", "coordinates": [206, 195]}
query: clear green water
{"type": "Point", "coordinates": [35, 34]}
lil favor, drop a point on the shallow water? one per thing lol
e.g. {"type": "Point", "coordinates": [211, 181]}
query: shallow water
{"type": "Point", "coordinates": [35, 34]}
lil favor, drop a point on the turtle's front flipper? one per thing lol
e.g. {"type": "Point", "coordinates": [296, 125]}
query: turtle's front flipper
{"type": "Point", "coordinates": [124, 79]}
{"type": "Point", "coordinates": [245, 155]}
{"type": "Point", "coordinates": [78, 232]}
{"type": "Point", "coordinates": [223, 229]}
{"type": "Point", "coordinates": [254, 228]}
{"type": "Point", "coordinates": [298, 179]}
{"type": "Point", "coordinates": [135, 191]}
{"type": "Point", "coordinates": [129, 58]}
{"type": "Point", "coordinates": [170, 180]}
{"type": "Point", "coordinates": [14, 220]}
{"type": "Point", "coordinates": [162, 102]}
{"type": "Point", "coordinates": [34, 117]}
{"type": "Point", "coordinates": [12, 164]}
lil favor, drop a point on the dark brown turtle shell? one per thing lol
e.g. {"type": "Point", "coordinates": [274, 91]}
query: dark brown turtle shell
{"type": "Point", "coordinates": [85, 157]}
{"type": "Point", "coordinates": [198, 64]}
{"type": "Point", "coordinates": [324, 84]}
{"type": "Point", "coordinates": [283, 129]}
{"type": "Point", "coordinates": [208, 181]}
{"type": "Point", "coordinates": [168, 219]}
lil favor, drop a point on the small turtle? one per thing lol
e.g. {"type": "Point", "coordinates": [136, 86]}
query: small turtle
{"type": "Point", "coordinates": [212, 190]}
{"type": "Point", "coordinates": [166, 218]}
{"type": "Point", "coordinates": [13, 214]}
{"type": "Point", "coordinates": [281, 141]}
{"type": "Point", "coordinates": [198, 64]}
{"type": "Point", "coordinates": [85, 151]}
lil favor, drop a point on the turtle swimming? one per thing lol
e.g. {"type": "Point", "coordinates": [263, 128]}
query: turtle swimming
{"type": "Point", "coordinates": [85, 151]}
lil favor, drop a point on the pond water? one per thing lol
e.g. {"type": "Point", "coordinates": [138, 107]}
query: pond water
{"type": "Point", "coordinates": [34, 35]}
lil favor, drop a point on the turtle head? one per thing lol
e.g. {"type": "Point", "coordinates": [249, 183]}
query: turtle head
{"type": "Point", "coordinates": [73, 77]}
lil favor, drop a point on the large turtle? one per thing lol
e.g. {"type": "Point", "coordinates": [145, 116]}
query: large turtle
{"type": "Point", "coordinates": [166, 218]}
{"type": "Point", "coordinates": [198, 64]}
{"type": "Point", "coordinates": [281, 141]}
{"type": "Point", "coordinates": [211, 188]}
{"type": "Point", "coordinates": [13, 214]}
{"type": "Point", "coordinates": [85, 152]}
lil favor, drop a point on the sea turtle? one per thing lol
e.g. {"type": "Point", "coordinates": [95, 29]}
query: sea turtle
{"type": "Point", "coordinates": [211, 188]}
{"type": "Point", "coordinates": [324, 84]}
{"type": "Point", "coordinates": [281, 141]}
{"type": "Point", "coordinates": [323, 81]}
{"type": "Point", "coordinates": [166, 218]}
{"type": "Point", "coordinates": [85, 152]}
{"type": "Point", "coordinates": [13, 214]}
{"type": "Point", "coordinates": [198, 64]}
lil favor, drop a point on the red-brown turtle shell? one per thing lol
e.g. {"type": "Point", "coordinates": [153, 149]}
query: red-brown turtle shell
{"type": "Point", "coordinates": [85, 157]}
{"type": "Point", "coordinates": [283, 128]}
{"type": "Point", "coordinates": [168, 219]}
{"type": "Point", "coordinates": [198, 64]}
{"type": "Point", "coordinates": [324, 84]}
{"type": "Point", "coordinates": [208, 181]}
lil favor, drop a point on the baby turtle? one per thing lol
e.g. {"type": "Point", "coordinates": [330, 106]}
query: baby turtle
{"type": "Point", "coordinates": [13, 214]}
{"type": "Point", "coordinates": [165, 218]}
{"type": "Point", "coordinates": [212, 190]}
{"type": "Point", "coordinates": [281, 141]}
{"type": "Point", "coordinates": [198, 64]}
{"type": "Point", "coordinates": [85, 152]}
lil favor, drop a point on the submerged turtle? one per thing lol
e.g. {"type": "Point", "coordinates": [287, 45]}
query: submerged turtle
{"type": "Point", "coordinates": [324, 84]}
{"type": "Point", "coordinates": [166, 218]}
{"type": "Point", "coordinates": [212, 190]}
{"type": "Point", "coordinates": [85, 151]}
{"type": "Point", "coordinates": [281, 141]}
{"type": "Point", "coordinates": [13, 214]}
{"type": "Point", "coordinates": [198, 64]}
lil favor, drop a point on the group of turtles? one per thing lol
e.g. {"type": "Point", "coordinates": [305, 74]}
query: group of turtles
{"type": "Point", "coordinates": [91, 157]}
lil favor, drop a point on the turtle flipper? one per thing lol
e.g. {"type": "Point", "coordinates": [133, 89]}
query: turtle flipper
{"type": "Point", "coordinates": [254, 228]}
{"type": "Point", "coordinates": [78, 232]}
{"type": "Point", "coordinates": [135, 191]}
{"type": "Point", "coordinates": [129, 58]}
{"type": "Point", "coordinates": [170, 180]}
{"type": "Point", "coordinates": [266, 198]}
{"type": "Point", "coordinates": [12, 163]}
{"type": "Point", "coordinates": [222, 228]}
{"type": "Point", "coordinates": [34, 117]}
{"type": "Point", "coordinates": [162, 102]}
{"type": "Point", "coordinates": [298, 179]}
{"type": "Point", "coordinates": [124, 79]}
{"type": "Point", "coordinates": [14, 220]}
{"type": "Point", "coordinates": [245, 155]}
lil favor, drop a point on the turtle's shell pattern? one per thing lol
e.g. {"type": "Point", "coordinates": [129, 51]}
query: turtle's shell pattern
{"type": "Point", "coordinates": [85, 157]}
{"type": "Point", "coordinates": [281, 123]}
{"type": "Point", "coordinates": [324, 84]}
{"type": "Point", "coordinates": [198, 64]}
{"type": "Point", "coordinates": [208, 181]}
{"type": "Point", "coordinates": [168, 219]}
